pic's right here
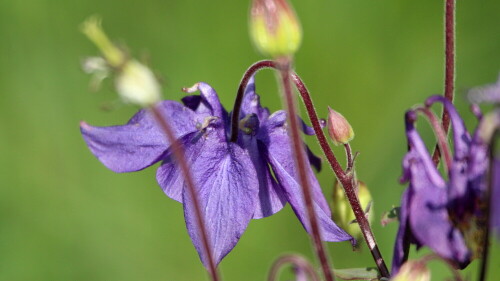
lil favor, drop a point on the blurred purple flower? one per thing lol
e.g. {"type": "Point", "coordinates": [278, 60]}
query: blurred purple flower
{"type": "Point", "coordinates": [235, 180]}
{"type": "Point", "coordinates": [485, 94]}
{"type": "Point", "coordinates": [446, 216]}
{"type": "Point", "coordinates": [495, 208]}
{"type": "Point", "coordinates": [489, 124]}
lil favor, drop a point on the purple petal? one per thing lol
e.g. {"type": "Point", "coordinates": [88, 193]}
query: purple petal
{"type": "Point", "coordinates": [209, 95]}
{"type": "Point", "coordinates": [468, 182]}
{"type": "Point", "coordinates": [417, 148]}
{"type": "Point", "coordinates": [428, 215]}
{"type": "Point", "coordinates": [460, 135]}
{"type": "Point", "coordinates": [308, 130]}
{"type": "Point", "coordinates": [196, 103]}
{"type": "Point", "coordinates": [281, 158]}
{"type": "Point", "coordinates": [495, 208]}
{"type": "Point", "coordinates": [251, 103]}
{"type": "Point", "coordinates": [140, 143]}
{"type": "Point", "coordinates": [479, 151]}
{"type": "Point", "coordinates": [227, 188]}
{"type": "Point", "coordinates": [314, 160]}
{"type": "Point", "coordinates": [432, 227]}
{"type": "Point", "coordinates": [489, 93]}
{"type": "Point", "coordinates": [169, 176]}
{"type": "Point", "coordinates": [402, 245]}
{"type": "Point", "coordinates": [278, 119]}
{"type": "Point", "coordinates": [271, 195]}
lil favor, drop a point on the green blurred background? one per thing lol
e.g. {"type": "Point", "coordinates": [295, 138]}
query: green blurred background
{"type": "Point", "coordinates": [64, 216]}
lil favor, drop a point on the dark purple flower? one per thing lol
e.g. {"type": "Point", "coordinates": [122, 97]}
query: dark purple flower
{"type": "Point", "coordinates": [252, 178]}
{"type": "Point", "coordinates": [446, 216]}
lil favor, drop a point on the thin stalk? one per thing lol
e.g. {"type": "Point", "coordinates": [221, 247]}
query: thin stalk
{"type": "Point", "coordinates": [345, 179]}
{"type": "Point", "coordinates": [440, 135]}
{"type": "Point", "coordinates": [348, 152]}
{"type": "Point", "coordinates": [241, 91]}
{"type": "Point", "coordinates": [179, 155]}
{"type": "Point", "coordinates": [300, 158]}
{"type": "Point", "coordinates": [488, 196]}
{"type": "Point", "coordinates": [449, 80]}
{"type": "Point", "coordinates": [296, 261]}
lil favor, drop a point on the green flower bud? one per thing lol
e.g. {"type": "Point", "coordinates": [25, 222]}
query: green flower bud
{"type": "Point", "coordinates": [342, 213]}
{"type": "Point", "coordinates": [134, 82]}
{"type": "Point", "coordinates": [413, 271]}
{"type": "Point", "coordinates": [274, 28]}
{"type": "Point", "coordinates": [339, 129]}
{"type": "Point", "coordinates": [137, 84]}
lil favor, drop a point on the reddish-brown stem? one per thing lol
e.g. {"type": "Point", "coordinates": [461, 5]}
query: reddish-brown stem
{"type": "Point", "coordinates": [449, 80]}
{"type": "Point", "coordinates": [440, 135]}
{"type": "Point", "coordinates": [345, 179]}
{"type": "Point", "coordinates": [241, 91]}
{"type": "Point", "coordinates": [295, 260]}
{"type": "Point", "coordinates": [178, 153]}
{"type": "Point", "coordinates": [300, 162]}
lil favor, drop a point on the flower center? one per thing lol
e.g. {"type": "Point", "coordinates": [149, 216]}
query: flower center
{"type": "Point", "coordinates": [473, 227]}
{"type": "Point", "coordinates": [249, 124]}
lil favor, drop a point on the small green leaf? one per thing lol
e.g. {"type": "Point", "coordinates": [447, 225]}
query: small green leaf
{"type": "Point", "coordinates": [366, 273]}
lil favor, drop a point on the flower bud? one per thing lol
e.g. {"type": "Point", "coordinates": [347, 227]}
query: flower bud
{"type": "Point", "coordinates": [134, 82]}
{"type": "Point", "coordinates": [137, 84]}
{"type": "Point", "coordinates": [413, 271]}
{"type": "Point", "coordinates": [338, 128]}
{"type": "Point", "coordinates": [274, 28]}
{"type": "Point", "coordinates": [342, 213]}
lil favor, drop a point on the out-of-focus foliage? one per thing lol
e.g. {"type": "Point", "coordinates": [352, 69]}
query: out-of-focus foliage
{"type": "Point", "coordinates": [64, 216]}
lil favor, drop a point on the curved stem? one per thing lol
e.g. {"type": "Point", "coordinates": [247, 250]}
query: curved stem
{"type": "Point", "coordinates": [346, 180]}
{"type": "Point", "coordinates": [300, 158]}
{"type": "Point", "coordinates": [179, 155]}
{"type": "Point", "coordinates": [440, 135]}
{"type": "Point", "coordinates": [241, 91]}
{"type": "Point", "coordinates": [449, 81]}
{"type": "Point", "coordinates": [295, 260]}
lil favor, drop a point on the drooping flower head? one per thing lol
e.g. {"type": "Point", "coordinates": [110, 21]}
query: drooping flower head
{"type": "Point", "coordinates": [234, 180]}
{"type": "Point", "coordinates": [444, 215]}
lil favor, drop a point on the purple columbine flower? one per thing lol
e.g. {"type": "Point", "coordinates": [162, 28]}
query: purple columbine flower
{"type": "Point", "coordinates": [235, 181]}
{"type": "Point", "coordinates": [446, 216]}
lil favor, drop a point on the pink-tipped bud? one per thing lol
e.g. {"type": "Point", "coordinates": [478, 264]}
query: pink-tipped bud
{"type": "Point", "coordinates": [338, 128]}
{"type": "Point", "coordinates": [274, 28]}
